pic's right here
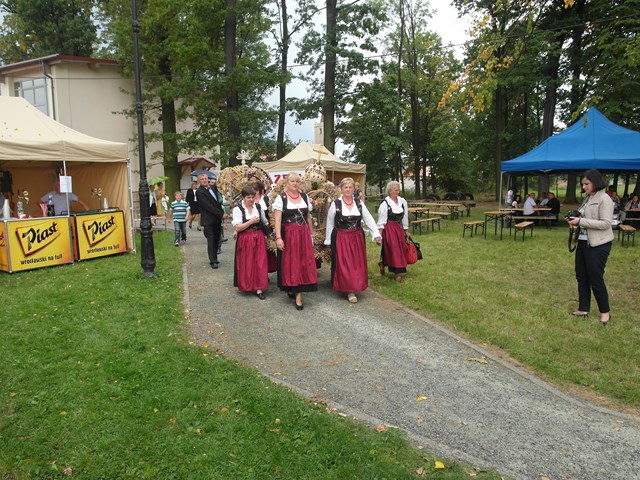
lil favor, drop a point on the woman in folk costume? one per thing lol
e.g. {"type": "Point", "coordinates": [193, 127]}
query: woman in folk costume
{"type": "Point", "coordinates": [345, 235]}
{"type": "Point", "coordinates": [296, 258]}
{"type": "Point", "coordinates": [250, 222]}
{"type": "Point", "coordinates": [263, 200]}
{"type": "Point", "coordinates": [393, 222]}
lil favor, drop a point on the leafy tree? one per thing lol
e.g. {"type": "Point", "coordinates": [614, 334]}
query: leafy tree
{"type": "Point", "coordinates": [350, 30]}
{"type": "Point", "coordinates": [37, 28]}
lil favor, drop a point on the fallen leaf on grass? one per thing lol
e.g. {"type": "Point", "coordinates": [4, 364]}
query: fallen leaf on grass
{"type": "Point", "coordinates": [172, 420]}
{"type": "Point", "coordinates": [156, 409]}
{"type": "Point", "coordinates": [381, 428]}
{"type": "Point", "coordinates": [438, 465]}
{"type": "Point", "coordinates": [420, 471]}
{"type": "Point", "coordinates": [478, 359]}
{"type": "Point", "coordinates": [198, 431]}
{"type": "Point", "coordinates": [278, 421]}
{"type": "Point", "coordinates": [205, 344]}
{"type": "Point", "coordinates": [68, 471]}
{"type": "Point", "coordinates": [224, 409]}
{"type": "Point", "coordinates": [13, 394]}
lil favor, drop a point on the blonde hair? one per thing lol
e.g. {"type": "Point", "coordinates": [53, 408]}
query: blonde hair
{"type": "Point", "coordinates": [294, 176]}
{"type": "Point", "coordinates": [346, 180]}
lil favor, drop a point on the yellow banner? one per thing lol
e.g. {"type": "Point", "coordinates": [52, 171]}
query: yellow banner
{"type": "Point", "coordinates": [100, 234]}
{"type": "Point", "coordinates": [41, 242]}
{"type": "Point", "coordinates": [4, 258]}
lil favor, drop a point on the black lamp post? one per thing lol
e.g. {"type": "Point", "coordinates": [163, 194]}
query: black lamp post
{"type": "Point", "coordinates": [148, 260]}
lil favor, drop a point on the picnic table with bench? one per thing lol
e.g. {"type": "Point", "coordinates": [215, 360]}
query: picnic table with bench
{"type": "Point", "coordinates": [628, 232]}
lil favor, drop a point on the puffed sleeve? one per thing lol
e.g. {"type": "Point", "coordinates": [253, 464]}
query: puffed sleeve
{"type": "Point", "coordinates": [382, 214]}
{"type": "Point", "coordinates": [277, 204]}
{"type": "Point", "coordinates": [236, 216]}
{"type": "Point", "coordinates": [405, 217]}
{"type": "Point", "coordinates": [331, 217]}
{"type": "Point", "coordinates": [370, 222]}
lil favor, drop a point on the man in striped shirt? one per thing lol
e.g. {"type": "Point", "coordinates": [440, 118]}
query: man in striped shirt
{"type": "Point", "coordinates": [180, 213]}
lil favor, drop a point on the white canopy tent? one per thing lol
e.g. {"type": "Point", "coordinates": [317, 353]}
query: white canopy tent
{"type": "Point", "coordinates": [34, 148]}
{"type": "Point", "coordinates": [306, 154]}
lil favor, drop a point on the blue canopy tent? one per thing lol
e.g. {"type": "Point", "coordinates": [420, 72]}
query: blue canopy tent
{"type": "Point", "coordinates": [591, 142]}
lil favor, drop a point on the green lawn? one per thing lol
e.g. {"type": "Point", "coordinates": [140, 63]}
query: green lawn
{"type": "Point", "coordinates": [98, 381]}
{"type": "Point", "coordinates": [518, 296]}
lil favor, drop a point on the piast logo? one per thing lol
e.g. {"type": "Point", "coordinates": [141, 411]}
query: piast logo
{"type": "Point", "coordinates": [36, 237]}
{"type": "Point", "coordinates": [97, 229]}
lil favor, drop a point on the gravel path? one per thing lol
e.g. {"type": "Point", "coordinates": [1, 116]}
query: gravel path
{"type": "Point", "coordinates": [385, 364]}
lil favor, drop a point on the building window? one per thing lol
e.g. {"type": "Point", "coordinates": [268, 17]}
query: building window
{"type": "Point", "coordinates": [33, 91]}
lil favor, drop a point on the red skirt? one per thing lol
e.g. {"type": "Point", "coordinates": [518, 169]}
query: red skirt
{"type": "Point", "coordinates": [272, 261]}
{"type": "Point", "coordinates": [250, 263]}
{"type": "Point", "coordinates": [349, 271]}
{"type": "Point", "coordinates": [297, 263]}
{"type": "Point", "coordinates": [394, 251]}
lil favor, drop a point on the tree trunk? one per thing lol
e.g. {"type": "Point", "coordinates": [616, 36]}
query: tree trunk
{"type": "Point", "coordinates": [169, 141]}
{"type": "Point", "coordinates": [233, 101]}
{"type": "Point", "coordinates": [329, 103]}
{"type": "Point", "coordinates": [500, 125]}
{"type": "Point", "coordinates": [284, 61]}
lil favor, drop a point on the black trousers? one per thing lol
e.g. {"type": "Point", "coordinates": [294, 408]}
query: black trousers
{"type": "Point", "coordinates": [212, 234]}
{"type": "Point", "coordinates": [590, 264]}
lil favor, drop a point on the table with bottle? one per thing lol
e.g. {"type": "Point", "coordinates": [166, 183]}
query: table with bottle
{"type": "Point", "coordinates": [33, 242]}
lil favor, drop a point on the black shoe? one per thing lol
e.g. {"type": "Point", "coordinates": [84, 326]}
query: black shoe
{"type": "Point", "coordinates": [299, 307]}
{"type": "Point", "coordinates": [260, 295]}
{"type": "Point", "coordinates": [215, 265]}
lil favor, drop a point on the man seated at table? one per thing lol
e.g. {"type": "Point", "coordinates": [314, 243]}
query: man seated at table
{"type": "Point", "coordinates": [60, 199]}
{"type": "Point", "coordinates": [529, 205]}
{"type": "Point", "coordinates": [544, 198]}
{"type": "Point", "coordinates": [554, 204]}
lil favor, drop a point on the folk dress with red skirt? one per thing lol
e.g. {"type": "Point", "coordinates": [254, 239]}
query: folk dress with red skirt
{"type": "Point", "coordinates": [394, 250]}
{"type": "Point", "coordinates": [349, 272]}
{"type": "Point", "coordinates": [250, 263]}
{"type": "Point", "coordinates": [296, 263]}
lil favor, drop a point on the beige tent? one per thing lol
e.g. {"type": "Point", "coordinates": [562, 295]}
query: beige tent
{"type": "Point", "coordinates": [34, 147]}
{"type": "Point", "coordinates": [305, 154]}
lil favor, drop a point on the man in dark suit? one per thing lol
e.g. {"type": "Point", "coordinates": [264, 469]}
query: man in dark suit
{"type": "Point", "coordinates": [211, 216]}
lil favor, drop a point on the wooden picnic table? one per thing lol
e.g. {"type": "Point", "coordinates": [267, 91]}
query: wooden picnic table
{"type": "Point", "coordinates": [495, 216]}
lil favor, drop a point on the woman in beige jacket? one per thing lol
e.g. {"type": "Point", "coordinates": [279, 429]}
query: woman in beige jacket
{"type": "Point", "coordinates": [594, 245]}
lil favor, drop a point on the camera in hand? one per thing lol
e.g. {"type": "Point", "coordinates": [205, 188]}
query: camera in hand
{"type": "Point", "coordinates": [572, 214]}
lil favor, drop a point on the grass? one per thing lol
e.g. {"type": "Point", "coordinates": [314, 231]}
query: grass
{"type": "Point", "coordinates": [517, 297]}
{"type": "Point", "coordinates": [98, 381]}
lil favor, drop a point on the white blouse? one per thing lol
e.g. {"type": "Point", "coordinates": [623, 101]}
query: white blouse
{"type": "Point", "coordinates": [237, 215]}
{"type": "Point", "coordinates": [395, 208]}
{"type": "Point", "coordinates": [352, 210]}
{"type": "Point", "coordinates": [292, 204]}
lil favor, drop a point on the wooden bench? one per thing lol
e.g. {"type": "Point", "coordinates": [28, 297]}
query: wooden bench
{"type": "Point", "coordinates": [419, 222]}
{"type": "Point", "coordinates": [521, 227]}
{"type": "Point", "coordinates": [444, 215]}
{"type": "Point", "coordinates": [472, 227]}
{"type": "Point", "coordinates": [628, 232]}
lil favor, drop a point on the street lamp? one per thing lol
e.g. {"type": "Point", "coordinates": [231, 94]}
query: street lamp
{"type": "Point", "coordinates": [148, 260]}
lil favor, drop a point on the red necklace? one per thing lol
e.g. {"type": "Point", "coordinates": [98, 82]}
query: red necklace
{"type": "Point", "coordinates": [347, 203]}
{"type": "Point", "coordinates": [291, 196]}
